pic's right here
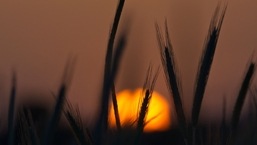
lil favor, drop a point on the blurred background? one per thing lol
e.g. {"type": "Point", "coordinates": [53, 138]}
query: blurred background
{"type": "Point", "coordinates": [37, 38]}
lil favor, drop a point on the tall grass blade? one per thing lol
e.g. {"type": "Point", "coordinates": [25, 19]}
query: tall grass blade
{"type": "Point", "coordinates": [254, 100]}
{"type": "Point", "coordinates": [55, 117]}
{"type": "Point", "coordinates": [206, 62]}
{"type": "Point", "coordinates": [108, 58]}
{"type": "Point", "coordinates": [116, 108]}
{"type": "Point", "coordinates": [11, 113]}
{"type": "Point", "coordinates": [102, 122]}
{"type": "Point", "coordinates": [168, 62]}
{"type": "Point", "coordinates": [108, 84]}
{"type": "Point", "coordinates": [115, 67]}
{"type": "Point", "coordinates": [240, 101]}
{"type": "Point", "coordinates": [117, 58]}
{"type": "Point", "coordinates": [241, 96]}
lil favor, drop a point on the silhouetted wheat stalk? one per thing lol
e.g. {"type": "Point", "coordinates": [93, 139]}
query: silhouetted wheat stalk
{"type": "Point", "coordinates": [75, 121]}
{"type": "Point", "coordinates": [205, 65]}
{"type": "Point", "coordinates": [168, 61]}
{"type": "Point", "coordinates": [55, 117]}
{"type": "Point", "coordinates": [206, 62]}
{"type": "Point", "coordinates": [27, 131]}
{"type": "Point", "coordinates": [148, 90]}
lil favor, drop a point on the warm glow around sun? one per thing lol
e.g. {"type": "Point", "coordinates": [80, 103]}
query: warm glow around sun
{"type": "Point", "coordinates": [129, 104]}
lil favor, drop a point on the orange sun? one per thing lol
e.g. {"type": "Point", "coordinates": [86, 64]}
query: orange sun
{"type": "Point", "coordinates": [157, 118]}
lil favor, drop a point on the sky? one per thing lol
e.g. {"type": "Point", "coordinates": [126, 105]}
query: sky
{"type": "Point", "coordinates": [37, 38]}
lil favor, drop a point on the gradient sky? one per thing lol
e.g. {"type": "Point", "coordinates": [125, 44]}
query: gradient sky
{"type": "Point", "coordinates": [37, 37]}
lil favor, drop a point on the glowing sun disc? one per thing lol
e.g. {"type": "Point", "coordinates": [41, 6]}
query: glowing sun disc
{"type": "Point", "coordinates": [158, 116]}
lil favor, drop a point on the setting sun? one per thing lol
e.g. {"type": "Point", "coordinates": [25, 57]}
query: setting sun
{"type": "Point", "coordinates": [129, 102]}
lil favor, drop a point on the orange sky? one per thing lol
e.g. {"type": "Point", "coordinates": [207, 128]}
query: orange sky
{"type": "Point", "coordinates": [36, 38]}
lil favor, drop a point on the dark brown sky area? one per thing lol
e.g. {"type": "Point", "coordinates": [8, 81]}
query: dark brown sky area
{"type": "Point", "coordinates": [37, 37]}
